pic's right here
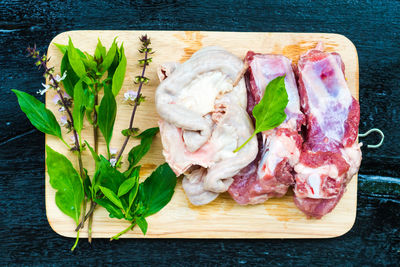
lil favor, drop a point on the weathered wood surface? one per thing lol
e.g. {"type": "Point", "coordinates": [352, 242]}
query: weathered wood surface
{"type": "Point", "coordinates": [374, 28]}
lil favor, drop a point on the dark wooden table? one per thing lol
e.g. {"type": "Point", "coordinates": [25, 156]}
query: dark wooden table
{"type": "Point", "coordinates": [373, 26]}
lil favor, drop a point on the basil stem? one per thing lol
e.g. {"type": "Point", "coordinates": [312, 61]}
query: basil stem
{"type": "Point", "coordinates": [145, 43]}
{"type": "Point", "coordinates": [130, 227]}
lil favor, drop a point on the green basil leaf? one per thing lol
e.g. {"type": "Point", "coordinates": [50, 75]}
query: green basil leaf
{"type": "Point", "coordinates": [119, 75]}
{"type": "Point", "coordinates": [40, 117]}
{"type": "Point", "coordinates": [89, 100]}
{"type": "Point", "coordinates": [132, 171]}
{"type": "Point", "coordinates": [79, 107]}
{"type": "Point", "coordinates": [95, 156]}
{"type": "Point", "coordinates": [64, 48]}
{"type": "Point", "coordinates": [89, 116]}
{"type": "Point", "coordinates": [89, 63]}
{"type": "Point", "coordinates": [148, 133]}
{"type": "Point", "coordinates": [157, 190]}
{"type": "Point", "coordinates": [109, 58]}
{"type": "Point", "coordinates": [107, 176]}
{"type": "Point", "coordinates": [100, 51]}
{"type": "Point", "coordinates": [65, 179]}
{"type": "Point", "coordinates": [96, 182]}
{"type": "Point", "coordinates": [137, 152]}
{"type": "Point", "coordinates": [88, 81]}
{"type": "Point", "coordinates": [142, 223]}
{"type": "Point", "coordinates": [88, 56]}
{"type": "Point", "coordinates": [133, 193]}
{"type": "Point", "coordinates": [75, 60]}
{"type": "Point", "coordinates": [71, 79]}
{"type": "Point", "coordinates": [270, 111]}
{"type": "Point", "coordinates": [87, 184]}
{"type": "Point", "coordinates": [106, 115]}
{"type": "Point", "coordinates": [114, 211]}
{"type": "Point", "coordinates": [89, 105]}
{"type": "Point", "coordinates": [111, 196]}
{"type": "Point", "coordinates": [126, 186]}
{"type": "Point", "coordinates": [113, 67]}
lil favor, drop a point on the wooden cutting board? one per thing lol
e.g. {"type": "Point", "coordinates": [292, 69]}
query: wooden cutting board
{"type": "Point", "coordinates": [223, 218]}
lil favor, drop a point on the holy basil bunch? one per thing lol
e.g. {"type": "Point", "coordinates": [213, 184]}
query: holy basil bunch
{"type": "Point", "coordinates": [117, 192]}
{"type": "Point", "coordinates": [122, 194]}
{"type": "Point", "coordinates": [84, 76]}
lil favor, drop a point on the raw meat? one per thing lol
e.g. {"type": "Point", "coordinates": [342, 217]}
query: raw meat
{"type": "Point", "coordinates": [204, 120]}
{"type": "Point", "coordinates": [271, 174]}
{"type": "Point", "coordinates": [331, 155]}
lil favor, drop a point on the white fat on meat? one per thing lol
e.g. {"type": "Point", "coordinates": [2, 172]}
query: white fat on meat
{"type": "Point", "coordinates": [277, 149]}
{"type": "Point", "coordinates": [313, 179]}
{"type": "Point", "coordinates": [203, 121]}
{"type": "Point", "coordinates": [353, 157]}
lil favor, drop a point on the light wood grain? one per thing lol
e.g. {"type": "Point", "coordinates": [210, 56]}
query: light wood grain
{"type": "Point", "coordinates": [223, 218]}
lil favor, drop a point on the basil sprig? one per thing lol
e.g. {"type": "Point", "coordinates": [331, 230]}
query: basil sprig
{"type": "Point", "coordinates": [122, 194]}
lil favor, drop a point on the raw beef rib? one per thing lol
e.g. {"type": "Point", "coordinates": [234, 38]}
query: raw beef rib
{"type": "Point", "coordinates": [271, 174]}
{"type": "Point", "coordinates": [331, 155]}
{"type": "Point", "coordinates": [204, 120]}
